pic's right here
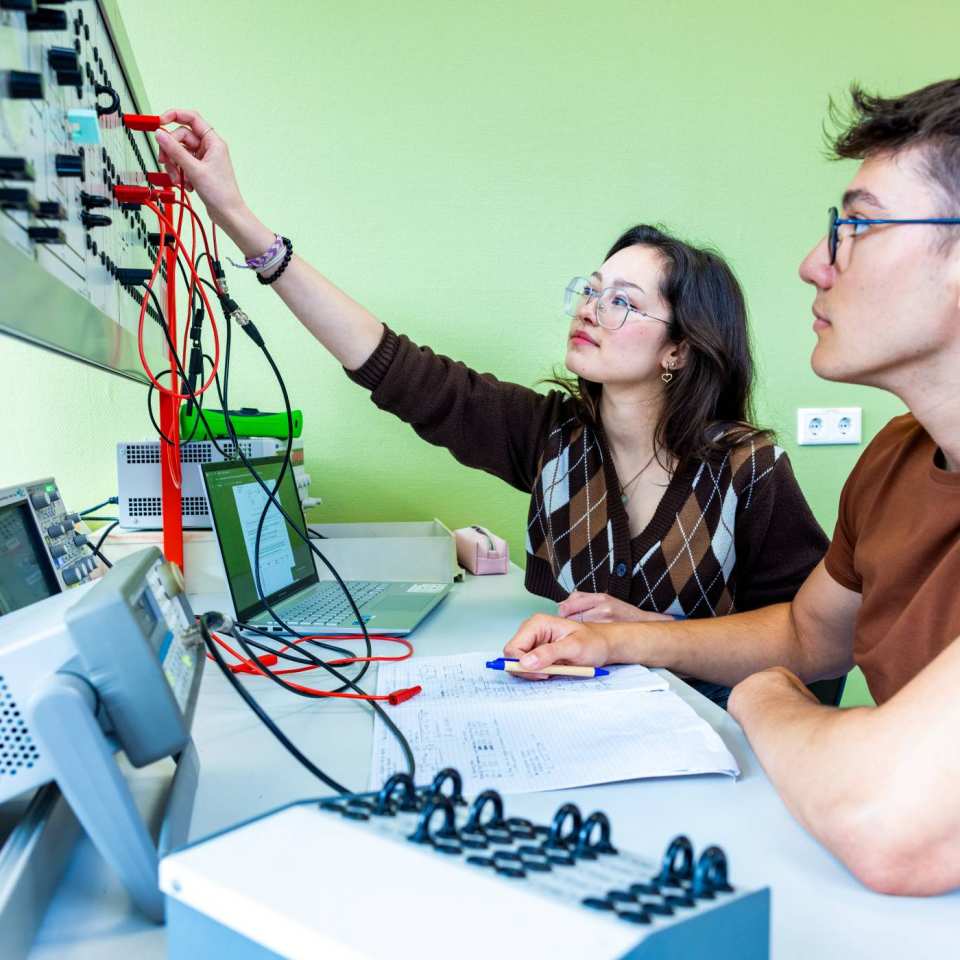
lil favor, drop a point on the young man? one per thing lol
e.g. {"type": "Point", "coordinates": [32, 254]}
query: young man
{"type": "Point", "coordinates": [880, 787]}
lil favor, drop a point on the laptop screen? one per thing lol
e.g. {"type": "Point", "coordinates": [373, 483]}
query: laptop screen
{"type": "Point", "coordinates": [236, 502]}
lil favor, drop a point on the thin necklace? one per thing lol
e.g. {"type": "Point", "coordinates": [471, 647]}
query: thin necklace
{"type": "Point", "coordinates": [624, 496]}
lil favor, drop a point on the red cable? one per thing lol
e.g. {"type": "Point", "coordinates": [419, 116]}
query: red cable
{"type": "Point", "coordinates": [193, 283]}
{"type": "Point", "coordinates": [253, 667]}
{"type": "Point", "coordinates": [165, 223]}
{"type": "Point", "coordinates": [203, 233]}
{"type": "Point", "coordinates": [346, 661]}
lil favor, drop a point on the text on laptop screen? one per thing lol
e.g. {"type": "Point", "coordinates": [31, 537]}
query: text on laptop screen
{"type": "Point", "coordinates": [236, 502]}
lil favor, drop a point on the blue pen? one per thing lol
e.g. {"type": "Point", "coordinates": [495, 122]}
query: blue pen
{"type": "Point", "coordinates": [511, 665]}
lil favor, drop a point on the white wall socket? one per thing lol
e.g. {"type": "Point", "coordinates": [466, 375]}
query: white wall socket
{"type": "Point", "coordinates": [821, 425]}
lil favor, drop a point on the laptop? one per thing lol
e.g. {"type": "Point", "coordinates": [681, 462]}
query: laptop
{"type": "Point", "coordinates": [288, 575]}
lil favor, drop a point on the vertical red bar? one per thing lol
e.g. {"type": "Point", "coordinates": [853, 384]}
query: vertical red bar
{"type": "Point", "coordinates": [171, 477]}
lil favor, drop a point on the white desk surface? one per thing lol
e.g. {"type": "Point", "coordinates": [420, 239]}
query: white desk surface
{"type": "Point", "coordinates": [819, 910]}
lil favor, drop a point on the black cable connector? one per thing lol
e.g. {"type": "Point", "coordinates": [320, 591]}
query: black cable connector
{"type": "Point", "coordinates": [195, 366]}
{"type": "Point", "coordinates": [233, 311]}
{"type": "Point", "coordinates": [110, 501]}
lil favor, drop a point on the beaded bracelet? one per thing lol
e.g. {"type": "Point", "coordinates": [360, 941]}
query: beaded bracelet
{"type": "Point", "coordinates": [283, 266]}
{"type": "Point", "coordinates": [273, 253]}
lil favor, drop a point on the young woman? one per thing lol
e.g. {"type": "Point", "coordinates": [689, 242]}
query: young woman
{"type": "Point", "coordinates": [652, 496]}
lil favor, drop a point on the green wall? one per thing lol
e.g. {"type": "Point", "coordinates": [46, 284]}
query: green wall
{"type": "Point", "coordinates": [452, 165]}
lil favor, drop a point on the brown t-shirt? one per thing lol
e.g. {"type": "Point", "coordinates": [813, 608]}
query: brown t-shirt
{"type": "Point", "coordinates": [897, 542]}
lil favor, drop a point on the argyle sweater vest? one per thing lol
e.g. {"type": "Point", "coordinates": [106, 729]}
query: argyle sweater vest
{"type": "Point", "coordinates": [684, 563]}
{"type": "Point", "coordinates": [730, 533]}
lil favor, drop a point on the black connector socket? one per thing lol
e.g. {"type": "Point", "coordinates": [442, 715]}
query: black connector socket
{"type": "Point", "coordinates": [133, 276]}
{"type": "Point", "coordinates": [17, 198]}
{"type": "Point", "coordinates": [51, 210]}
{"type": "Point", "coordinates": [91, 220]}
{"type": "Point", "coordinates": [154, 239]}
{"type": "Point", "coordinates": [16, 168]}
{"type": "Point", "coordinates": [90, 201]}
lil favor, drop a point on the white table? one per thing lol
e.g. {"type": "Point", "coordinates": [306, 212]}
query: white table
{"type": "Point", "coordinates": [818, 909]}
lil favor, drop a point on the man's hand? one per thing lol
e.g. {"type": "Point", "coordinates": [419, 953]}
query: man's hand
{"type": "Point", "coordinates": [543, 641]}
{"type": "Point", "coordinates": [602, 608]}
{"type": "Point", "coordinates": [750, 694]}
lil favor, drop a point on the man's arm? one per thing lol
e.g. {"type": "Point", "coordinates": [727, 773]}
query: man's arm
{"type": "Point", "coordinates": [880, 786]}
{"type": "Point", "coordinates": [813, 636]}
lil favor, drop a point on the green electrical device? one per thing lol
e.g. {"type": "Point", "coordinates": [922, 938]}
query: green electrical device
{"type": "Point", "coordinates": [246, 422]}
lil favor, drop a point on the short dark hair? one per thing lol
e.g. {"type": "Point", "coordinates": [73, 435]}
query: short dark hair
{"type": "Point", "coordinates": [927, 118]}
{"type": "Point", "coordinates": [708, 406]}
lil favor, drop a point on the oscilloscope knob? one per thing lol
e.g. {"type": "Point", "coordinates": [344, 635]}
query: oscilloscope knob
{"type": "Point", "coordinates": [72, 575]}
{"type": "Point", "coordinates": [22, 85]}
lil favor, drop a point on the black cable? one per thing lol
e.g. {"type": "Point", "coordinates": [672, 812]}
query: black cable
{"type": "Point", "coordinates": [246, 644]}
{"type": "Point", "coordinates": [153, 419]}
{"type": "Point", "coordinates": [151, 388]}
{"type": "Point", "coordinates": [99, 518]}
{"type": "Point", "coordinates": [253, 628]}
{"type": "Point", "coordinates": [99, 555]}
{"type": "Point", "coordinates": [196, 316]}
{"type": "Point", "coordinates": [103, 503]}
{"type": "Point", "coordinates": [106, 533]}
{"type": "Point", "coordinates": [198, 397]}
{"type": "Point", "coordinates": [271, 495]}
{"type": "Point", "coordinates": [251, 702]}
{"type": "Point", "coordinates": [272, 498]}
{"type": "Point", "coordinates": [199, 401]}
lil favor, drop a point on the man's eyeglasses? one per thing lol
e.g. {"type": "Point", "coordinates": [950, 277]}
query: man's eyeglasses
{"type": "Point", "coordinates": [843, 228]}
{"type": "Point", "coordinates": [612, 305]}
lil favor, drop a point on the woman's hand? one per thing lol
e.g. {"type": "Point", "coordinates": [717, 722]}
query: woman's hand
{"type": "Point", "coordinates": [543, 641]}
{"type": "Point", "coordinates": [196, 154]}
{"type": "Point", "coordinates": [602, 608]}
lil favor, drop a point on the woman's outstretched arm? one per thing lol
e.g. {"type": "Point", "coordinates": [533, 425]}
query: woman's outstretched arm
{"type": "Point", "coordinates": [348, 330]}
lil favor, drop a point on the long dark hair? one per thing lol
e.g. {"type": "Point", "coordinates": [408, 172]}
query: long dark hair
{"type": "Point", "coordinates": [708, 407]}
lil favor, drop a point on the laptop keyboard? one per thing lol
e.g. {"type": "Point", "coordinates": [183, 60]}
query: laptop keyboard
{"type": "Point", "coordinates": [327, 606]}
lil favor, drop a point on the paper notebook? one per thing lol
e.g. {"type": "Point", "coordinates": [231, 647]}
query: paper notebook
{"type": "Point", "coordinates": [520, 736]}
